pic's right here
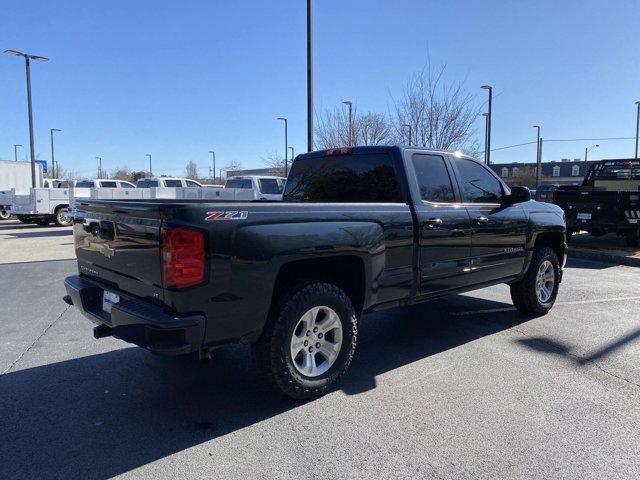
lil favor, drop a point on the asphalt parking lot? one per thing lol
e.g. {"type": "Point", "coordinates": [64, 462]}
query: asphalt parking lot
{"type": "Point", "coordinates": [458, 388]}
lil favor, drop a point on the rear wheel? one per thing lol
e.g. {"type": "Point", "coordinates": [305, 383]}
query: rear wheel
{"type": "Point", "coordinates": [4, 215]}
{"type": "Point", "coordinates": [633, 238]}
{"type": "Point", "coordinates": [309, 341]}
{"type": "Point", "coordinates": [536, 293]}
{"type": "Point", "coordinates": [62, 218]}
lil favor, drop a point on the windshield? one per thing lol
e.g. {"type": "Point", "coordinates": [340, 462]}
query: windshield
{"type": "Point", "coordinates": [271, 186]}
{"type": "Point", "coordinates": [238, 183]}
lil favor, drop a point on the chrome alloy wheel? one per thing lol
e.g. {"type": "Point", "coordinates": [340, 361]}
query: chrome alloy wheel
{"type": "Point", "coordinates": [545, 281]}
{"type": "Point", "coordinates": [316, 341]}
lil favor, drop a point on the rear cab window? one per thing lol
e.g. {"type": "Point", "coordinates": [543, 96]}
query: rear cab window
{"type": "Point", "coordinates": [271, 186]}
{"type": "Point", "coordinates": [239, 183]}
{"type": "Point", "coordinates": [350, 178]}
{"type": "Point", "coordinates": [85, 184]}
{"type": "Point", "coordinates": [147, 183]}
{"type": "Point", "coordinates": [173, 183]}
{"type": "Point", "coordinates": [108, 184]}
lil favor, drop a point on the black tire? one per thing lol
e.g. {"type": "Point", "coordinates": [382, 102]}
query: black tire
{"type": "Point", "coordinates": [524, 292]}
{"type": "Point", "coordinates": [633, 238]}
{"type": "Point", "coordinates": [272, 352]}
{"type": "Point", "coordinates": [62, 218]}
{"type": "Point", "coordinates": [43, 222]}
{"type": "Point", "coordinates": [4, 215]}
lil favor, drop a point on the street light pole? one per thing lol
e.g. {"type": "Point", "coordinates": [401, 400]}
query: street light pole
{"type": "Point", "coordinates": [410, 131]}
{"type": "Point", "coordinates": [286, 144]}
{"type": "Point", "coordinates": [587, 150]}
{"type": "Point", "coordinates": [488, 128]}
{"type": "Point", "coordinates": [309, 75]}
{"type": "Point", "coordinates": [637, 127]}
{"type": "Point", "coordinates": [349, 104]}
{"type": "Point", "coordinates": [213, 155]}
{"type": "Point", "coordinates": [27, 60]}
{"type": "Point", "coordinates": [293, 155]}
{"type": "Point", "coordinates": [15, 151]}
{"type": "Point", "coordinates": [53, 159]}
{"type": "Point", "coordinates": [538, 160]}
{"type": "Point", "coordinates": [150, 171]}
{"type": "Point", "coordinates": [486, 121]}
{"type": "Point", "coordinates": [99, 166]}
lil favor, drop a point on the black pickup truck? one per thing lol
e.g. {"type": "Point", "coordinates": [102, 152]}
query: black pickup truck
{"type": "Point", "coordinates": [607, 201]}
{"type": "Point", "coordinates": [359, 229]}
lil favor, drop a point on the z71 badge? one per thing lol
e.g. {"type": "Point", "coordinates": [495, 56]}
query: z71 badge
{"type": "Point", "coordinates": [232, 215]}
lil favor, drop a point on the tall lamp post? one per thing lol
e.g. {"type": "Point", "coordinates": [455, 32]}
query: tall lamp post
{"type": "Point", "coordinates": [309, 75]}
{"type": "Point", "coordinates": [27, 60]}
{"type": "Point", "coordinates": [293, 155]}
{"type": "Point", "coordinates": [213, 159]}
{"type": "Point", "coordinates": [53, 158]}
{"type": "Point", "coordinates": [286, 144]}
{"type": "Point", "coordinates": [410, 131]}
{"type": "Point", "coordinates": [15, 151]}
{"type": "Point", "coordinates": [488, 128]}
{"type": "Point", "coordinates": [637, 126]}
{"type": "Point", "coordinates": [538, 157]}
{"type": "Point", "coordinates": [587, 150]}
{"type": "Point", "coordinates": [486, 121]}
{"type": "Point", "coordinates": [99, 166]}
{"type": "Point", "coordinates": [148, 155]}
{"type": "Point", "coordinates": [350, 104]}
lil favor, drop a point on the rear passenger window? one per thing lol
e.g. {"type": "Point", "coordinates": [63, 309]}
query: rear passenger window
{"type": "Point", "coordinates": [369, 178]}
{"type": "Point", "coordinates": [109, 184]}
{"type": "Point", "coordinates": [477, 184]}
{"type": "Point", "coordinates": [173, 183]}
{"type": "Point", "coordinates": [433, 178]}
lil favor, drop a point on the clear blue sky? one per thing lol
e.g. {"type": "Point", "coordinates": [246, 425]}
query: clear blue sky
{"type": "Point", "coordinates": [177, 79]}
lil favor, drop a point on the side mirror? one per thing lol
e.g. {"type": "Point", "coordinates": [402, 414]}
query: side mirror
{"type": "Point", "coordinates": [518, 195]}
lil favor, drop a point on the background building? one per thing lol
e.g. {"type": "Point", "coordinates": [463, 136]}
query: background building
{"type": "Point", "coordinates": [563, 172]}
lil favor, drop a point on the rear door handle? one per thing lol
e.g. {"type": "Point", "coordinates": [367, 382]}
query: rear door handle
{"type": "Point", "coordinates": [482, 220]}
{"type": "Point", "coordinates": [434, 222]}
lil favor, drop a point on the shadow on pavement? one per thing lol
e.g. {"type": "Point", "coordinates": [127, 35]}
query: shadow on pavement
{"type": "Point", "coordinates": [39, 234]}
{"type": "Point", "coordinates": [588, 264]}
{"type": "Point", "coordinates": [102, 415]}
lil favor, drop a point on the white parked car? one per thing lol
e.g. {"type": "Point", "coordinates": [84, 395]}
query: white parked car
{"type": "Point", "coordinates": [162, 182]}
{"type": "Point", "coordinates": [263, 187]}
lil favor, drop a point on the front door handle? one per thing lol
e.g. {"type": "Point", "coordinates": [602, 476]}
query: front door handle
{"type": "Point", "coordinates": [482, 220]}
{"type": "Point", "coordinates": [434, 222]}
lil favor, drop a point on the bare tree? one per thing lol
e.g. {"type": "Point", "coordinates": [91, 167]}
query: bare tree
{"type": "Point", "coordinates": [371, 128]}
{"type": "Point", "coordinates": [191, 170]}
{"type": "Point", "coordinates": [441, 115]}
{"type": "Point", "coordinates": [232, 167]}
{"type": "Point", "coordinates": [275, 163]}
{"type": "Point", "coordinates": [122, 173]}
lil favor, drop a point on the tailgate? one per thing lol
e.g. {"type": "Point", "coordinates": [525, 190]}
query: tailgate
{"type": "Point", "coordinates": [118, 243]}
{"type": "Point", "coordinates": [588, 207]}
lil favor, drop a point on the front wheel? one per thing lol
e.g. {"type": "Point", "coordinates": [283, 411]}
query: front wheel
{"type": "Point", "coordinates": [62, 218]}
{"type": "Point", "coordinates": [309, 341]}
{"type": "Point", "coordinates": [536, 293]}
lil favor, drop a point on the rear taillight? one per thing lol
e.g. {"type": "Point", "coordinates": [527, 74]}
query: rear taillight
{"type": "Point", "coordinates": [183, 257]}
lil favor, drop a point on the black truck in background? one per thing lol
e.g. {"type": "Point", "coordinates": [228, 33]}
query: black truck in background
{"type": "Point", "coordinates": [607, 201]}
{"type": "Point", "coordinates": [359, 229]}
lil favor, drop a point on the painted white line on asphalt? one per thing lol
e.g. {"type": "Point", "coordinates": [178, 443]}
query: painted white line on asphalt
{"type": "Point", "coordinates": [488, 310]}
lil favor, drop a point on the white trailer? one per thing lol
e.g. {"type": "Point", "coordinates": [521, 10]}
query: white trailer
{"type": "Point", "coordinates": [15, 175]}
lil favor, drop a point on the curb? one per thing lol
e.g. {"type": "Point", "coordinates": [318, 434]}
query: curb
{"type": "Point", "coordinates": [617, 258]}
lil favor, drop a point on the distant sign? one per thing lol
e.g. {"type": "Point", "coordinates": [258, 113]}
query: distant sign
{"type": "Point", "coordinates": [43, 164]}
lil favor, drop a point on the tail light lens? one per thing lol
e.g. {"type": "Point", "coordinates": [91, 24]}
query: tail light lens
{"type": "Point", "coordinates": [183, 257]}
